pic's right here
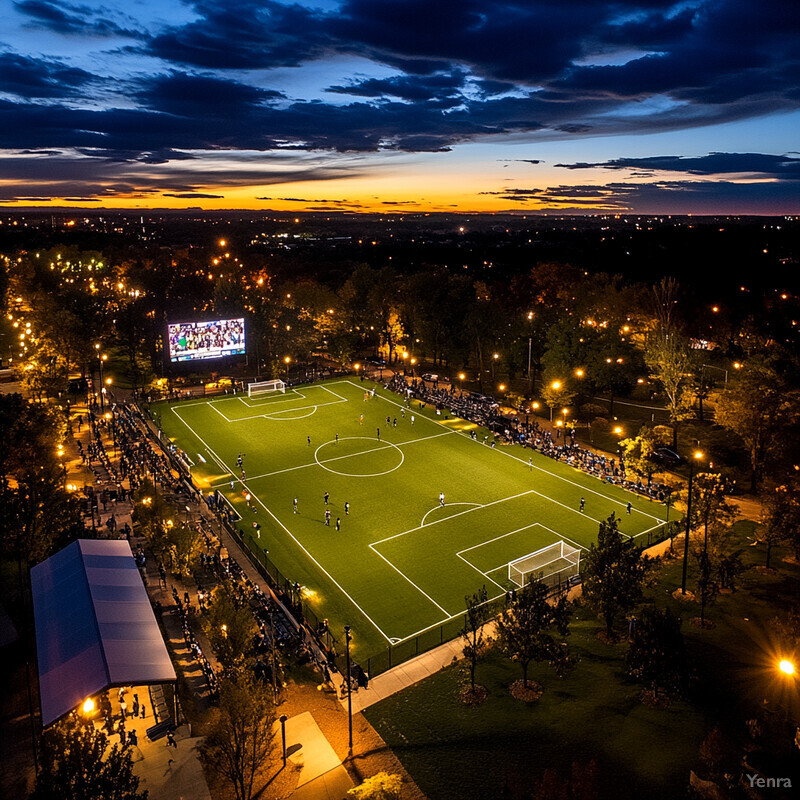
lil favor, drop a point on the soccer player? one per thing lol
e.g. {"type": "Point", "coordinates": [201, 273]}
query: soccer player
{"type": "Point", "coordinates": [338, 523]}
{"type": "Point", "coordinates": [403, 413]}
{"type": "Point", "coordinates": [629, 507]}
{"type": "Point", "coordinates": [388, 422]}
{"type": "Point", "coordinates": [361, 420]}
{"type": "Point", "coordinates": [337, 439]}
{"type": "Point", "coordinates": [347, 509]}
{"type": "Point", "coordinates": [328, 517]}
{"type": "Point", "coordinates": [294, 506]}
{"type": "Point", "coordinates": [394, 422]}
{"type": "Point", "coordinates": [379, 434]}
{"type": "Point", "coordinates": [326, 497]}
{"type": "Point", "coordinates": [308, 439]}
{"type": "Point", "coordinates": [530, 463]}
{"type": "Point", "coordinates": [412, 419]}
{"type": "Point", "coordinates": [441, 499]}
{"type": "Point", "coordinates": [583, 503]}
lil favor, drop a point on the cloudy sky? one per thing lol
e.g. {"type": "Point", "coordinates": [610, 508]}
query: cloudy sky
{"type": "Point", "coordinates": [472, 105]}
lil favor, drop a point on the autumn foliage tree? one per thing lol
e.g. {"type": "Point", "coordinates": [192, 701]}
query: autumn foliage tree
{"type": "Point", "coordinates": [613, 574]}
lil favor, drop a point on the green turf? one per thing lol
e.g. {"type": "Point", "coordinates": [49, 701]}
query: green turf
{"type": "Point", "coordinates": [452, 750]}
{"type": "Point", "coordinates": [401, 563]}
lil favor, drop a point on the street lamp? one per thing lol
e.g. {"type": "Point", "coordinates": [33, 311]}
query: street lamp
{"type": "Point", "coordinates": [696, 456]}
{"type": "Point", "coordinates": [102, 359]}
{"type": "Point", "coordinates": [347, 638]}
{"type": "Point", "coordinates": [530, 345]}
{"type": "Point", "coordinates": [283, 719]}
{"type": "Point", "coordinates": [787, 667]}
{"type": "Point", "coordinates": [461, 377]}
{"type": "Point", "coordinates": [555, 386]}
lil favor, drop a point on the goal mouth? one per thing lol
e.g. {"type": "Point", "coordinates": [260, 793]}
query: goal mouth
{"type": "Point", "coordinates": [554, 565]}
{"type": "Point", "coordinates": [265, 387]}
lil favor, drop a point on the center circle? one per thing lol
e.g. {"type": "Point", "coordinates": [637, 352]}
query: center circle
{"type": "Point", "coordinates": [338, 459]}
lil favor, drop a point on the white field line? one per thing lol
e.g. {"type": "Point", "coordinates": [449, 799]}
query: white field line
{"type": "Point", "coordinates": [275, 418]}
{"type": "Point", "coordinates": [497, 538]}
{"type": "Point", "coordinates": [250, 403]}
{"type": "Point", "coordinates": [452, 516]}
{"type": "Point", "coordinates": [510, 533]}
{"type": "Point", "coordinates": [402, 574]}
{"type": "Point", "coordinates": [387, 446]}
{"type": "Point", "coordinates": [219, 462]}
{"type": "Point", "coordinates": [294, 538]}
{"type": "Point", "coordinates": [505, 452]}
{"type": "Point", "coordinates": [422, 524]}
{"type": "Point", "coordinates": [480, 572]}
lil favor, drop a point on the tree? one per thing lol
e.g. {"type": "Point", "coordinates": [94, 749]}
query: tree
{"type": "Point", "coordinates": [657, 655]}
{"type": "Point", "coordinates": [707, 580]}
{"type": "Point", "coordinates": [77, 764]}
{"type": "Point", "coordinates": [556, 392]}
{"type": "Point", "coordinates": [229, 628]}
{"type": "Point", "coordinates": [709, 504]}
{"type": "Point", "coordinates": [640, 453]}
{"type": "Point", "coordinates": [241, 734]}
{"type": "Point", "coordinates": [383, 786]}
{"type": "Point", "coordinates": [761, 408]}
{"type": "Point", "coordinates": [472, 634]}
{"type": "Point", "coordinates": [525, 629]}
{"type": "Point", "coordinates": [613, 574]}
{"type": "Point", "coordinates": [667, 356]}
{"type": "Point", "coordinates": [36, 510]}
{"type": "Point", "coordinates": [780, 517]}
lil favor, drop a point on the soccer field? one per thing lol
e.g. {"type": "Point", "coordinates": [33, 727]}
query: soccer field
{"type": "Point", "coordinates": [402, 563]}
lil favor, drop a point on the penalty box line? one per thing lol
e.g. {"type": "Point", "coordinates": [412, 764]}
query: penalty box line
{"type": "Point", "coordinates": [373, 545]}
{"type": "Point", "coordinates": [293, 537]}
{"type": "Point", "coordinates": [511, 533]}
{"type": "Point", "coordinates": [611, 499]}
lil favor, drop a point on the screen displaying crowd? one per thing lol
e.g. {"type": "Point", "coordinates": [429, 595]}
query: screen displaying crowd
{"type": "Point", "coordinates": [190, 341]}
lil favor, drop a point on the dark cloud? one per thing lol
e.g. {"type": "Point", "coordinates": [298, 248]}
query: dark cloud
{"type": "Point", "coordinates": [468, 69]}
{"type": "Point", "coordinates": [196, 195]}
{"type": "Point", "coordinates": [662, 197]}
{"type": "Point", "coordinates": [409, 87]}
{"type": "Point", "coordinates": [250, 34]}
{"type": "Point", "coordinates": [712, 164]}
{"type": "Point", "coordinates": [65, 18]}
{"type": "Point", "coordinates": [40, 77]}
{"type": "Point", "coordinates": [201, 95]}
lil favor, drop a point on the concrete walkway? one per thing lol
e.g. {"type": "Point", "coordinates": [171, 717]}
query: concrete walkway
{"type": "Point", "coordinates": [321, 774]}
{"type": "Point", "coordinates": [406, 674]}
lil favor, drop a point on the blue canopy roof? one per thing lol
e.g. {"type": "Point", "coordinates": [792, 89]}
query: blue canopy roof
{"type": "Point", "coordinates": [95, 626]}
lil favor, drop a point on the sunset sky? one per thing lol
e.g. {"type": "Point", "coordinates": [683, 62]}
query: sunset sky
{"type": "Point", "coordinates": [402, 105]}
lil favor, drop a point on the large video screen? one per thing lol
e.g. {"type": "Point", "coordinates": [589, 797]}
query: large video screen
{"type": "Point", "coordinates": [196, 341]}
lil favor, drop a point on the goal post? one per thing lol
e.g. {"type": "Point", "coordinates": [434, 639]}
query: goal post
{"type": "Point", "coordinates": [555, 565]}
{"type": "Point", "coordinates": [264, 387]}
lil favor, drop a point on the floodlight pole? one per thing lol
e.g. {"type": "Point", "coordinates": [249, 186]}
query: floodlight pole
{"type": "Point", "coordinates": [347, 638]}
{"type": "Point", "coordinates": [688, 528]}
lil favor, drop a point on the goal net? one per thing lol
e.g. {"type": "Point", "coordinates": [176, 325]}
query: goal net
{"type": "Point", "coordinates": [262, 387]}
{"type": "Point", "coordinates": [555, 565]}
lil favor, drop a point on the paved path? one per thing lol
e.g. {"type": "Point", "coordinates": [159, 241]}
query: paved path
{"type": "Point", "coordinates": [407, 674]}
{"type": "Point", "coordinates": [321, 775]}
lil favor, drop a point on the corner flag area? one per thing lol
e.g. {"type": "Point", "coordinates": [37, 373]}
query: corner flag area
{"type": "Point", "coordinates": [402, 560]}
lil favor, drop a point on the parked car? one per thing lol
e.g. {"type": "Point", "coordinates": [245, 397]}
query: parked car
{"type": "Point", "coordinates": [430, 376]}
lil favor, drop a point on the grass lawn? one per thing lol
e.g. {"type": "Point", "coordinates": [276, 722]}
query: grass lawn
{"type": "Point", "coordinates": [402, 563]}
{"type": "Point", "coordinates": [457, 751]}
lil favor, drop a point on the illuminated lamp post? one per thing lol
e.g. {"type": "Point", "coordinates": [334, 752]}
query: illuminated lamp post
{"type": "Point", "coordinates": [697, 455]}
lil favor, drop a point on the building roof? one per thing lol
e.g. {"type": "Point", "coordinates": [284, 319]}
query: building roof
{"type": "Point", "coordinates": [95, 627]}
